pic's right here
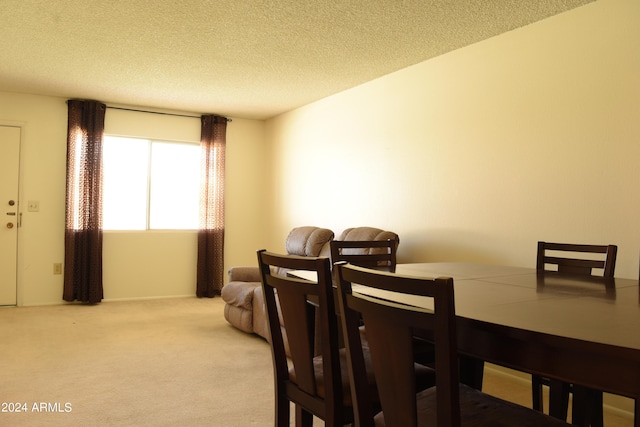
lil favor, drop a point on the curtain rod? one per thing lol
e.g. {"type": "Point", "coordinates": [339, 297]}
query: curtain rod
{"type": "Point", "coordinates": [157, 112]}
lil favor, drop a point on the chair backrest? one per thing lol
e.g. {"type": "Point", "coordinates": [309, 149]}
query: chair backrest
{"type": "Point", "coordinates": [309, 241]}
{"type": "Point", "coordinates": [604, 259]}
{"type": "Point", "coordinates": [367, 233]}
{"type": "Point", "coordinates": [390, 328]}
{"type": "Point", "coordinates": [360, 237]}
{"type": "Point", "coordinates": [376, 254]}
{"type": "Point", "coordinates": [292, 296]}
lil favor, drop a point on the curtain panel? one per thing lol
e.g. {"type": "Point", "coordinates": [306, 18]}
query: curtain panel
{"type": "Point", "coordinates": [210, 267]}
{"type": "Point", "coordinates": [83, 219]}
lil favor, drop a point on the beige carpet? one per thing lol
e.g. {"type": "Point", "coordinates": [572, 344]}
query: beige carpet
{"type": "Point", "coordinates": [164, 362]}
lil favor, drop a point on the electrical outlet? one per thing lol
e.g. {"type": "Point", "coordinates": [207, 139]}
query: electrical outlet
{"type": "Point", "coordinates": [57, 268]}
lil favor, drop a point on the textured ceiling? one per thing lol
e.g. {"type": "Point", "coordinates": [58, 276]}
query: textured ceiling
{"type": "Point", "coordinates": [240, 58]}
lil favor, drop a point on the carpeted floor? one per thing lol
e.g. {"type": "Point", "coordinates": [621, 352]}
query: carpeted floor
{"type": "Point", "coordinates": [163, 362]}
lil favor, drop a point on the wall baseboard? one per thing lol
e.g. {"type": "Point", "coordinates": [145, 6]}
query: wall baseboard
{"type": "Point", "coordinates": [616, 405]}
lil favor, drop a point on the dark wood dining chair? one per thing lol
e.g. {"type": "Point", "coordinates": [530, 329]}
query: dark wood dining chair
{"type": "Point", "coordinates": [376, 254]}
{"type": "Point", "coordinates": [585, 260]}
{"type": "Point", "coordinates": [390, 328]}
{"type": "Point", "coordinates": [314, 379]}
{"type": "Point", "coordinates": [313, 383]}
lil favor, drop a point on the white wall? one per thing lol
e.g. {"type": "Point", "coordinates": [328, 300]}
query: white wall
{"type": "Point", "coordinates": [139, 264]}
{"type": "Point", "coordinates": [477, 154]}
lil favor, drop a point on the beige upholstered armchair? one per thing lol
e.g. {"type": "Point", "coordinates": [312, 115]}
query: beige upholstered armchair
{"type": "Point", "coordinates": [243, 296]}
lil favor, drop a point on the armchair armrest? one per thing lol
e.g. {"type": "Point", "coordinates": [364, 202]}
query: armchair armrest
{"type": "Point", "coordinates": [244, 274]}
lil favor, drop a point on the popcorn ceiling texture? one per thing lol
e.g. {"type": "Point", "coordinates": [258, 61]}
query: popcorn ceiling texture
{"type": "Point", "coordinates": [240, 58]}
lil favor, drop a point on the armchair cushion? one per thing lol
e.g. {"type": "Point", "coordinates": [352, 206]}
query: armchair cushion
{"type": "Point", "coordinates": [309, 241]}
{"type": "Point", "coordinates": [244, 274]}
{"type": "Point", "coordinates": [367, 233]}
{"type": "Point", "coordinates": [239, 293]}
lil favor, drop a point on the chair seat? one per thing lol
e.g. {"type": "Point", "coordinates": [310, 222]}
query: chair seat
{"type": "Point", "coordinates": [479, 409]}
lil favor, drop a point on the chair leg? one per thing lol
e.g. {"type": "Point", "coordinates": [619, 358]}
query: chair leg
{"type": "Point", "coordinates": [587, 407]}
{"type": "Point", "coordinates": [283, 416]}
{"type": "Point", "coordinates": [303, 418]}
{"type": "Point", "coordinates": [536, 393]}
{"type": "Point", "coordinates": [597, 419]}
{"type": "Point", "coordinates": [471, 371]}
{"type": "Point", "coordinates": [559, 399]}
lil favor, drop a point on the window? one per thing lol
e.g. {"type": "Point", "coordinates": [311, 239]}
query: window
{"type": "Point", "coordinates": [150, 185]}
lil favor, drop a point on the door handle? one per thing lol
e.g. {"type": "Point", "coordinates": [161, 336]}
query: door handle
{"type": "Point", "coordinates": [11, 213]}
{"type": "Point", "coordinates": [9, 225]}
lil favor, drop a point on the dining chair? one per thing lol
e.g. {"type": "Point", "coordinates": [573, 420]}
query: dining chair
{"type": "Point", "coordinates": [315, 376]}
{"type": "Point", "coordinates": [577, 259]}
{"type": "Point", "coordinates": [313, 383]}
{"type": "Point", "coordinates": [376, 254]}
{"type": "Point", "coordinates": [379, 255]}
{"type": "Point", "coordinates": [391, 326]}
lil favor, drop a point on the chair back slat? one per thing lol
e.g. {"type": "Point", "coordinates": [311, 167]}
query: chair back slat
{"type": "Point", "coordinates": [375, 254]}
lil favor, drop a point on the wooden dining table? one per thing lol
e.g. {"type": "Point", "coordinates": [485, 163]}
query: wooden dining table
{"type": "Point", "coordinates": [577, 329]}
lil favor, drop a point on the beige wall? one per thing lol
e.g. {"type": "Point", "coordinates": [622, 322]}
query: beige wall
{"type": "Point", "coordinates": [43, 122]}
{"type": "Point", "coordinates": [138, 264]}
{"type": "Point", "coordinates": [477, 154]}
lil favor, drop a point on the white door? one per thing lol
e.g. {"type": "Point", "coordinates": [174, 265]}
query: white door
{"type": "Point", "coordinates": [9, 213]}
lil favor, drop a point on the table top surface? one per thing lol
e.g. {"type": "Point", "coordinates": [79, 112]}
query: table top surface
{"type": "Point", "coordinates": [542, 322]}
{"type": "Point", "coordinates": [586, 308]}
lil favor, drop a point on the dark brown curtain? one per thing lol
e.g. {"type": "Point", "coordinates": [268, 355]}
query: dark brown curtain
{"type": "Point", "coordinates": [211, 232]}
{"type": "Point", "coordinates": [83, 223]}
